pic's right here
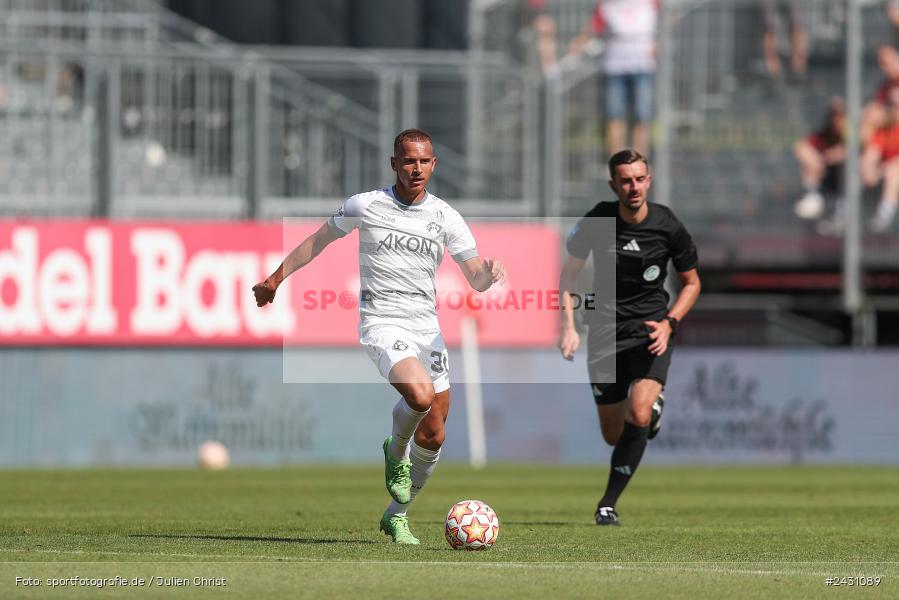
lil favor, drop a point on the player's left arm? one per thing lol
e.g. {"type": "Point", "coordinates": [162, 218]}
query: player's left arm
{"type": "Point", "coordinates": [662, 330]}
{"type": "Point", "coordinates": [481, 273]}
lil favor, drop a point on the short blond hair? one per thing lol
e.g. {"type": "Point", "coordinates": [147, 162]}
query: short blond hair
{"type": "Point", "coordinates": [410, 135]}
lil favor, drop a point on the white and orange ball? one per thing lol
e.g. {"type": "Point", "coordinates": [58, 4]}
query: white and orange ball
{"type": "Point", "coordinates": [213, 456]}
{"type": "Point", "coordinates": [471, 525]}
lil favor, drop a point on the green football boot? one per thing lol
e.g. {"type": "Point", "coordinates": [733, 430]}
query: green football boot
{"type": "Point", "coordinates": [396, 475]}
{"type": "Point", "coordinates": [397, 527]}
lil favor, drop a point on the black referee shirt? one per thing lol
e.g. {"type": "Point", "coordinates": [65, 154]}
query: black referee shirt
{"type": "Point", "coordinates": [642, 252]}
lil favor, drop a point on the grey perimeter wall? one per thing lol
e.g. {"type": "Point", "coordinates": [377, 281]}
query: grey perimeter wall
{"type": "Point", "coordinates": [83, 407]}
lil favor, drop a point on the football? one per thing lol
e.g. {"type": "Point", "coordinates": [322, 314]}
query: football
{"type": "Point", "coordinates": [213, 456]}
{"type": "Point", "coordinates": [471, 525]}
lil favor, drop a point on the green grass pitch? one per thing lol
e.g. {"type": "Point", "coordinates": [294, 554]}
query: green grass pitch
{"type": "Point", "coordinates": [312, 532]}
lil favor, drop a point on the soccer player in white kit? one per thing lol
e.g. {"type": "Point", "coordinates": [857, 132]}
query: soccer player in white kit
{"type": "Point", "coordinates": [403, 233]}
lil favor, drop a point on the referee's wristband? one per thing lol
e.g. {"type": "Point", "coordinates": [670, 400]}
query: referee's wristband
{"type": "Point", "coordinates": [672, 321]}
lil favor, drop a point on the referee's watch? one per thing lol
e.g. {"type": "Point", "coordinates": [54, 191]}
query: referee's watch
{"type": "Point", "coordinates": [672, 321]}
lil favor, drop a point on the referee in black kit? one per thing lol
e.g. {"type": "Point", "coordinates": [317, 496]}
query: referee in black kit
{"type": "Point", "coordinates": [630, 336]}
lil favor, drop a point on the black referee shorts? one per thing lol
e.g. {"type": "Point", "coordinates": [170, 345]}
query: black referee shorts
{"type": "Point", "coordinates": [627, 358]}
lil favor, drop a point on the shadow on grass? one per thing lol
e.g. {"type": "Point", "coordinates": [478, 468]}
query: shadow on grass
{"type": "Point", "coordinates": [247, 538]}
{"type": "Point", "coordinates": [551, 523]}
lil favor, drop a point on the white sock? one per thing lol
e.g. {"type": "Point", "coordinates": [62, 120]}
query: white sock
{"type": "Point", "coordinates": [886, 210]}
{"type": "Point", "coordinates": [405, 422]}
{"type": "Point", "coordinates": [423, 463]}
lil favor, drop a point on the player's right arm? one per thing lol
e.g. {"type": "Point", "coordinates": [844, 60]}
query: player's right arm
{"type": "Point", "coordinates": [298, 258]}
{"type": "Point", "coordinates": [569, 340]}
{"type": "Point", "coordinates": [579, 244]}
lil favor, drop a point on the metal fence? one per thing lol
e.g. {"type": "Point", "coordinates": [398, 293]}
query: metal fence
{"type": "Point", "coordinates": [107, 109]}
{"type": "Point", "coordinates": [90, 22]}
{"type": "Point", "coordinates": [726, 125]}
{"type": "Point", "coordinates": [172, 126]}
{"type": "Point", "coordinates": [482, 113]}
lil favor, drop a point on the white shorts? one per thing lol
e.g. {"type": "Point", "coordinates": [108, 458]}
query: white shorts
{"type": "Point", "coordinates": [388, 344]}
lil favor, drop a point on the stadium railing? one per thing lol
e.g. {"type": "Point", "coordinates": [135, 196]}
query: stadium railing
{"type": "Point", "coordinates": [173, 120]}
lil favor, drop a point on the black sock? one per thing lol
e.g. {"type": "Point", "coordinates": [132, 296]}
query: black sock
{"type": "Point", "coordinates": [625, 459]}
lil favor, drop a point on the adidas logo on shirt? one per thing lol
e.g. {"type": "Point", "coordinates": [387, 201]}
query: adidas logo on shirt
{"type": "Point", "coordinates": [632, 246]}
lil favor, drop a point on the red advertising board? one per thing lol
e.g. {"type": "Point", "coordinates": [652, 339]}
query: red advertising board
{"type": "Point", "coordinates": [189, 284]}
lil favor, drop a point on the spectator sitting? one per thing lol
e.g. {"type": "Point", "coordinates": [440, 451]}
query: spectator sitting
{"type": "Point", "coordinates": [880, 162]}
{"type": "Point", "coordinates": [892, 10]}
{"type": "Point", "coordinates": [790, 10]}
{"type": "Point", "coordinates": [821, 155]}
{"type": "Point", "coordinates": [875, 112]}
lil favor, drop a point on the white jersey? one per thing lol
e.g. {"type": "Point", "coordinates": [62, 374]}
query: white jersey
{"type": "Point", "coordinates": [400, 248]}
{"type": "Point", "coordinates": [629, 28]}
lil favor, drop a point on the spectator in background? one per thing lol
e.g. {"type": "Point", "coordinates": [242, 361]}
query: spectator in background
{"type": "Point", "coordinates": [69, 87]}
{"type": "Point", "coordinates": [543, 27]}
{"type": "Point", "coordinates": [880, 163]}
{"type": "Point", "coordinates": [876, 112]}
{"type": "Point", "coordinates": [892, 10]}
{"type": "Point", "coordinates": [628, 28]}
{"type": "Point", "coordinates": [790, 11]}
{"type": "Point", "coordinates": [822, 155]}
